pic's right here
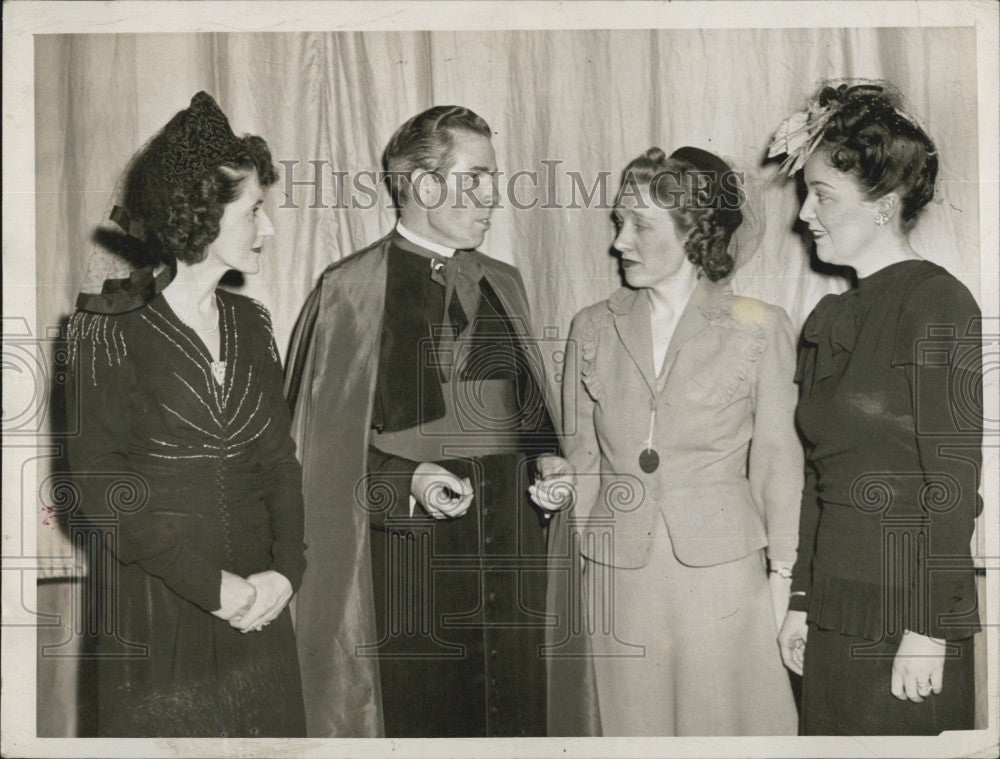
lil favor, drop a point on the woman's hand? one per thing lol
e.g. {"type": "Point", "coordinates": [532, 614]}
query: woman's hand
{"type": "Point", "coordinates": [792, 640]}
{"type": "Point", "coordinates": [441, 494]}
{"type": "Point", "coordinates": [236, 596]}
{"type": "Point", "coordinates": [918, 667]}
{"type": "Point", "coordinates": [273, 593]}
{"type": "Point", "coordinates": [554, 489]}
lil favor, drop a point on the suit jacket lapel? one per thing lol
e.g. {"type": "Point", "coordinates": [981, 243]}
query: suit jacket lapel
{"type": "Point", "coordinates": [690, 324]}
{"type": "Point", "coordinates": [706, 299]}
{"type": "Point", "coordinates": [632, 323]}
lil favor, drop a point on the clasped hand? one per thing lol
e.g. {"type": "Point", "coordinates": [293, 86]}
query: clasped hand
{"type": "Point", "coordinates": [250, 604]}
{"type": "Point", "coordinates": [553, 490]}
{"type": "Point", "coordinates": [441, 494]}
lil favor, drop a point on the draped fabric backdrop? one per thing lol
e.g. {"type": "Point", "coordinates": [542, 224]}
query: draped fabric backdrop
{"type": "Point", "coordinates": [558, 102]}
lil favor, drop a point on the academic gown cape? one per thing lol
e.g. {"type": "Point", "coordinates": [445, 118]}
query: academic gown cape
{"type": "Point", "coordinates": [330, 384]}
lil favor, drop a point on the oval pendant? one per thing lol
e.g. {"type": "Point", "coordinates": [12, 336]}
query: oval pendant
{"type": "Point", "coordinates": [219, 372]}
{"type": "Point", "coordinates": [649, 460]}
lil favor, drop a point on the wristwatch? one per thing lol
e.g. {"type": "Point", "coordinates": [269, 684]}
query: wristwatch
{"type": "Point", "coordinates": [785, 572]}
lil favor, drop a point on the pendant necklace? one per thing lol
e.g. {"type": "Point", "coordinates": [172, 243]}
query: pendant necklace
{"type": "Point", "coordinates": [649, 460]}
{"type": "Point", "coordinates": [219, 372]}
{"type": "Point", "coordinates": [218, 367]}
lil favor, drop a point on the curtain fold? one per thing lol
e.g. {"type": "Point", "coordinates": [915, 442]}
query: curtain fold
{"type": "Point", "coordinates": [578, 101]}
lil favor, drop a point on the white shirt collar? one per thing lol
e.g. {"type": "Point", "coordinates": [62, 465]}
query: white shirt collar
{"type": "Point", "coordinates": [423, 242]}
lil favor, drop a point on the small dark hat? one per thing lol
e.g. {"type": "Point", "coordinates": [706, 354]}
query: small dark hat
{"type": "Point", "coordinates": [718, 194]}
{"type": "Point", "coordinates": [701, 160]}
{"type": "Point", "coordinates": [194, 142]}
{"type": "Point", "coordinates": [195, 139]}
{"type": "Point", "coordinates": [157, 180]}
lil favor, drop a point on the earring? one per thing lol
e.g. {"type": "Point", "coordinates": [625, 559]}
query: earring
{"type": "Point", "coordinates": [881, 219]}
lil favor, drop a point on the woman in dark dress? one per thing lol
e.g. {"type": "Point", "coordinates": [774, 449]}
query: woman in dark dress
{"type": "Point", "coordinates": [883, 604]}
{"type": "Point", "coordinates": [185, 448]}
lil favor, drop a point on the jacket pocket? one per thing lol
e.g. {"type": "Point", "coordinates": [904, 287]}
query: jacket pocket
{"type": "Point", "coordinates": [711, 523]}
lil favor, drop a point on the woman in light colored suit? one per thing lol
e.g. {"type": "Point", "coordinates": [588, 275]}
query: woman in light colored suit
{"type": "Point", "coordinates": [680, 441]}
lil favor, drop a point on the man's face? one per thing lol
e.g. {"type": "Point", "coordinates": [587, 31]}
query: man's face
{"type": "Point", "coordinates": [459, 203]}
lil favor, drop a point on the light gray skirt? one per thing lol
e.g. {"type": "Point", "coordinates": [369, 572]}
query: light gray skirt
{"type": "Point", "coordinates": [686, 651]}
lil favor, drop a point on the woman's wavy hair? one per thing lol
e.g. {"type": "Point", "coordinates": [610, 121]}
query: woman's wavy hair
{"type": "Point", "coordinates": [177, 186]}
{"type": "Point", "coordinates": [871, 137]}
{"type": "Point", "coordinates": [181, 218]}
{"type": "Point", "coordinates": [696, 187]}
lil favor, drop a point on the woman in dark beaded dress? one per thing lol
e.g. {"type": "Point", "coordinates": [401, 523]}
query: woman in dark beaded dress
{"type": "Point", "coordinates": [883, 604]}
{"type": "Point", "coordinates": [178, 391]}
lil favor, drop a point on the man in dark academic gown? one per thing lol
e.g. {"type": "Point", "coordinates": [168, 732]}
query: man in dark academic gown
{"type": "Point", "coordinates": [422, 418]}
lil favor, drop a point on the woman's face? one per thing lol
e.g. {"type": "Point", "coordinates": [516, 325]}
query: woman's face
{"type": "Point", "coordinates": [650, 248]}
{"type": "Point", "coordinates": [242, 230]}
{"type": "Point", "coordinates": [841, 219]}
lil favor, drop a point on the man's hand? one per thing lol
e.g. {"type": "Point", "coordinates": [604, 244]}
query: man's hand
{"type": "Point", "coordinates": [554, 489]}
{"type": "Point", "coordinates": [439, 492]}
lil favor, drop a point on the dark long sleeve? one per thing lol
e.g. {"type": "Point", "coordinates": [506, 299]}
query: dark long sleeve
{"type": "Point", "coordinates": [537, 420]}
{"type": "Point", "coordinates": [283, 488]}
{"type": "Point", "coordinates": [938, 345]}
{"type": "Point", "coordinates": [809, 508]}
{"type": "Point", "coordinates": [538, 436]}
{"type": "Point", "coordinates": [102, 378]}
{"type": "Point", "coordinates": [809, 512]}
{"type": "Point", "coordinates": [890, 413]}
